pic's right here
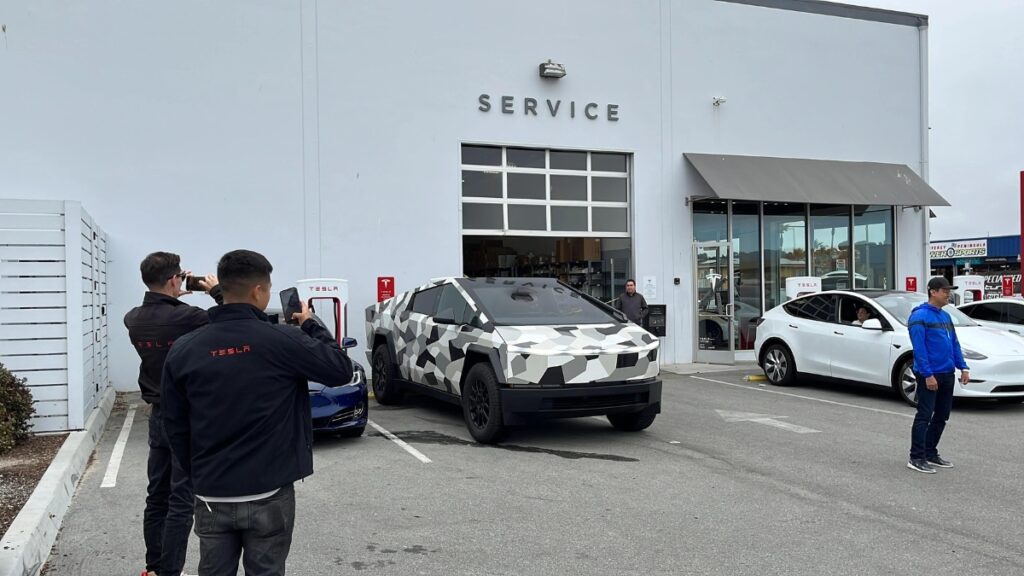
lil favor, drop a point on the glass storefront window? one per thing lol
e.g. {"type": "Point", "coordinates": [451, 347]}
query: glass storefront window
{"type": "Point", "coordinates": [830, 238]}
{"type": "Point", "coordinates": [746, 284]}
{"type": "Point", "coordinates": [785, 248]}
{"type": "Point", "coordinates": [710, 220]}
{"type": "Point", "coordinates": [873, 241]}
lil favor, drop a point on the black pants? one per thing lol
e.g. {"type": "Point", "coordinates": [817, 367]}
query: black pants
{"type": "Point", "coordinates": [259, 531]}
{"type": "Point", "coordinates": [168, 516]}
{"type": "Point", "coordinates": [933, 408]}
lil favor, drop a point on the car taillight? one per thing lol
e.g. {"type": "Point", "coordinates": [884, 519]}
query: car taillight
{"type": "Point", "coordinates": [758, 320]}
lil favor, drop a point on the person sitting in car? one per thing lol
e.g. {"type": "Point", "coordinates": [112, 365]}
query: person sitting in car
{"type": "Point", "coordinates": [863, 314]}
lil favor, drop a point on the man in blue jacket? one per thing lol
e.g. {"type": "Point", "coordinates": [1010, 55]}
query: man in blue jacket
{"type": "Point", "coordinates": [936, 355]}
{"type": "Point", "coordinates": [237, 413]}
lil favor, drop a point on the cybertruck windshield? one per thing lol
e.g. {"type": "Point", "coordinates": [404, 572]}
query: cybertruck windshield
{"type": "Point", "coordinates": [535, 302]}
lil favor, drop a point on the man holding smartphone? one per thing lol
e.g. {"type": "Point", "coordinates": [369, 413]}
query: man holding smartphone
{"type": "Point", "coordinates": [153, 327]}
{"type": "Point", "coordinates": [238, 418]}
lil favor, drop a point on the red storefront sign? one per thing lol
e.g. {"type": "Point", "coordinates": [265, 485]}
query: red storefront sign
{"type": "Point", "coordinates": [1007, 285]}
{"type": "Point", "coordinates": [911, 283]}
{"type": "Point", "coordinates": [385, 287]}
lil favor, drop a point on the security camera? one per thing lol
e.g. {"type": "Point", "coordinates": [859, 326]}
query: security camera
{"type": "Point", "coordinates": [718, 100]}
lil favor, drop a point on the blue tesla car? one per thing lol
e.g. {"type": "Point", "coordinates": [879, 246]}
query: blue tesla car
{"type": "Point", "coordinates": [342, 410]}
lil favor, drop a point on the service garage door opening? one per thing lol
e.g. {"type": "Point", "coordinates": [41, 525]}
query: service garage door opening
{"type": "Point", "coordinates": [534, 212]}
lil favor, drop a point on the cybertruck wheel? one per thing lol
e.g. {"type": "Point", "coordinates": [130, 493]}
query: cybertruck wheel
{"type": "Point", "coordinates": [481, 405]}
{"type": "Point", "coordinates": [632, 421]}
{"type": "Point", "coordinates": [385, 378]}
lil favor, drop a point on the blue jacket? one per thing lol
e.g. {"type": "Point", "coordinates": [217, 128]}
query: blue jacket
{"type": "Point", "coordinates": [936, 348]}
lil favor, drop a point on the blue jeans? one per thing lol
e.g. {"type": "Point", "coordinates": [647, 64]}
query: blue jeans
{"type": "Point", "coordinates": [260, 532]}
{"type": "Point", "coordinates": [167, 519]}
{"type": "Point", "coordinates": [933, 408]}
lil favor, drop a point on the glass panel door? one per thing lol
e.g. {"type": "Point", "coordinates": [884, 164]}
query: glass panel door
{"type": "Point", "coordinates": [713, 273]}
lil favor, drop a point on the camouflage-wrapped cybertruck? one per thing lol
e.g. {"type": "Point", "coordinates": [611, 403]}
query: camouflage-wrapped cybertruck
{"type": "Point", "coordinates": [512, 349]}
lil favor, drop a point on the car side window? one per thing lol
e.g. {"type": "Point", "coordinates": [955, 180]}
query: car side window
{"type": "Point", "coordinates": [986, 312]}
{"type": "Point", "coordinates": [425, 302]}
{"type": "Point", "coordinates": [821, 307]}
{"type": "Point", "coordinates": [1014, 313]}
{"type": "Point", "coordinates": [848, 309]}
{"type": "Point", "coordinates": [453, 305]}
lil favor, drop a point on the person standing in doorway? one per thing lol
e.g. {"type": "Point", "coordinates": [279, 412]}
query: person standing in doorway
{"type": "Point", "coordinates": [153, 327]}
{"type": "Point", "coordinates": [936, 356]}
{"type": "Point", "coordinates": [632, 304]}
{"type": "Point", "coordinates": [238, 417]}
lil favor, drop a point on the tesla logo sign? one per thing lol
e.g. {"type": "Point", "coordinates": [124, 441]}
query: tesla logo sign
{"type": "Point", "coordinates": [323, 288]}
{"type": "Point", "coordinates": [385, 287]}
{"type": "Point", "coordinates": [911, 283]}
{"type": "Point", "coordinates": [1007, 285]}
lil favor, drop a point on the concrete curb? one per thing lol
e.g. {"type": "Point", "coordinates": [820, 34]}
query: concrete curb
{"type": "Point", "coordinates": [26, 545]}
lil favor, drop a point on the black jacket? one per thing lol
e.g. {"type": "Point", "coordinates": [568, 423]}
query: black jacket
{"type": "Point", "coordinates": [236, 400]}
{"type": "Point", "coordinates": [153, 327]}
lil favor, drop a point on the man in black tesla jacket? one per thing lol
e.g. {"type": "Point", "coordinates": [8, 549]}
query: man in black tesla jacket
{"type": "Point", "coordinates": [153, 327]}
{"type": "Point", "coordinates": [236, 409]}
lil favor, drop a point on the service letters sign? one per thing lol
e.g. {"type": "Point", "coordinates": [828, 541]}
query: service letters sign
{"type": "Point", "coordinates": [385, 287]}
{"type": "Point", "coordinates": [1007, 285]}
{"type": "Point", "coordinates": [911, 283]}
{"type": "Point", "coordinates": [960, 249]}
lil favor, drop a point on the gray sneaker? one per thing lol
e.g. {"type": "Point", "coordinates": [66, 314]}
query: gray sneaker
{"type": "Point", "coordinates": [920, 465]}
{"type": "Point", "coordinates": [940, 462]}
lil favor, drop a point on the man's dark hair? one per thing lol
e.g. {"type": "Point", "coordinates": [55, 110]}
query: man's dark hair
{"type": "Point", "coordinates": [628, 280]}
{"type": "Point", "coordinates": [239, 270]}
{"type": "Point", "coordinates": [158, 268]}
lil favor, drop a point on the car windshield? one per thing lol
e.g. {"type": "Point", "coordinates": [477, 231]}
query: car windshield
{"type": "Point", "coordinates": [542, 302]}
{"type": "Point", "coordinates": [901, 305]}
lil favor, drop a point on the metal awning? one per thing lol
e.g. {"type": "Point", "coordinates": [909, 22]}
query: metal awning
{"type": "Point", "coordinates": [813, 181]}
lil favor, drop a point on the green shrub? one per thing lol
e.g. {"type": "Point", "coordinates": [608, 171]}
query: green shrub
{"type": "Point", "coordinates": [15, 409]}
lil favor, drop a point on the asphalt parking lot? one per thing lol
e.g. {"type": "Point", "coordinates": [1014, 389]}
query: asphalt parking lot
{"type": "Point", "coordinates": [733, 478]}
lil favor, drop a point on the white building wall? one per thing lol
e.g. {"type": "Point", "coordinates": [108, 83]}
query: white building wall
{"type": "Point", "coordinates": [797, 85]}
{"type": "Point", "coordinates": [326, 134]}
{"type": "Point", "coordinates": [390, 154]}
{"type": "Point", "coordinates": [177, 125]}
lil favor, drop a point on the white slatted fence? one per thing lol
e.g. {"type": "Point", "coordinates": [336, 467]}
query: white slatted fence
{"type": "Point", "coordinates": [53, 308]}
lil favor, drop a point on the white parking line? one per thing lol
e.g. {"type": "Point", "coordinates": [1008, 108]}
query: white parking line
{"type": "Point", "coordinates": [110, 478]}
{"type": "Point", "coordinates": [822, 400]}
{"type": "Point", "coordinates": [416, 453]}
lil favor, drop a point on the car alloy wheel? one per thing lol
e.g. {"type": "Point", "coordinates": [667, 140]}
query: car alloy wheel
{"type": "Point", "coordinates": [377, 370]}
{"type": "Point", "coordinates": [385, 389]}
{"type": "Point", "coordinates": [776, 365]}
{"type": "Point", "coordinates": [908, 383]}
{"type": "Point", "coordinates": [479, 404]}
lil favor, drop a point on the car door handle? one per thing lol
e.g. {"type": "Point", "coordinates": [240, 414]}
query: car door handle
{"type": "Point", "coordinates": [793, 326]}
{"type": "Point", "coordinates": [837, 332]}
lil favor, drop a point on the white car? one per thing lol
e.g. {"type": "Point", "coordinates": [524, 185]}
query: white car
{"type": "Point", "coordinates": [1004, 313]}
{"type": "Point", "coordinates": [816, 334]}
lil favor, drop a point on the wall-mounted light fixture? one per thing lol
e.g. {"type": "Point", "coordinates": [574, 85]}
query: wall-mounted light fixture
{"type": "Point", "coordinates": [717, 101]}
{"type": "Point", "coordinates": [551, 69]}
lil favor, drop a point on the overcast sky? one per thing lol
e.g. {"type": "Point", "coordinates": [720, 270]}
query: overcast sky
{"type": "Point", "coordinates": [976, 112]}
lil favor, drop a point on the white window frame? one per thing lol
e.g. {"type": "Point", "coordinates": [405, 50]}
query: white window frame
{"type": "Point", "coordinates": [504, 169]}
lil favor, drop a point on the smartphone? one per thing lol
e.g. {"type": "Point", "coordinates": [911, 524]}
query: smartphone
{"type": "Point", "coordinates": [192, 284]}
{"type": "Point", "coordinates": [290, 304]}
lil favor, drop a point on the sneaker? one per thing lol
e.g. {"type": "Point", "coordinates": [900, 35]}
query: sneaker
{"type": "Point", "coordinates": [940, 462]}
{"type": "Point", "coordinates": [920, 465]}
